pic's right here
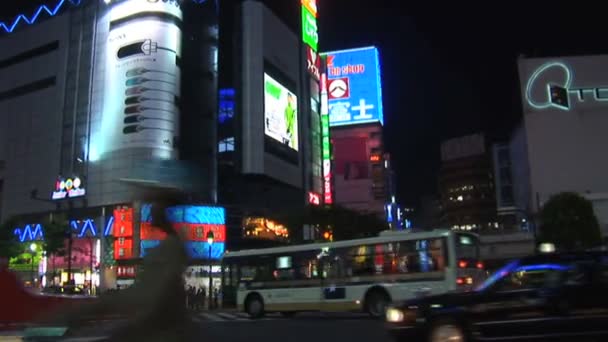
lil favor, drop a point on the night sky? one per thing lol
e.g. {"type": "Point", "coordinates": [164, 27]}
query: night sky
{"type": "Point", "coordinates": [447, 71]}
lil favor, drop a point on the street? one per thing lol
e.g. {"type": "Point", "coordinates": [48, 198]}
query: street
{"type": "Point", "coordinates": [304, 327]}
{"type": "Point", "coordinates": [236, 327]}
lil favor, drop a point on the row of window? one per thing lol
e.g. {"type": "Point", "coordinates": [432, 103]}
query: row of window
{"type": "Point", "coordinates": [406, 257]}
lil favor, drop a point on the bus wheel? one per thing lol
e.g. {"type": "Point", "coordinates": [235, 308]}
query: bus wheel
{"type": "Point", "coordinates": [254, 306]}
{"type": "Point", "coordinates": [376, 304]}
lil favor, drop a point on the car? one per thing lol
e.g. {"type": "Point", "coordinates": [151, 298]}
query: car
{"type": "Point", "coordinates": [541, 297]}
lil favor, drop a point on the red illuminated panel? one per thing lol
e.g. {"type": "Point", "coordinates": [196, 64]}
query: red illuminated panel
{"type": "Point", "coordinates": [314, 198]}
{"type": "Point", "coordinates": [198, 232]}
{"type": "Point", "coordinates": [374, 158]}
{"type": "Point", "coordinates": [148, 232]}
{"type": "Point", "coordinates": [123, 248]}
{"type": "Point", "coordinates": [123, 222]}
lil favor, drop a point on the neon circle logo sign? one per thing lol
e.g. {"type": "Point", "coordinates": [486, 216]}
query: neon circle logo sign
{"type": "Point", "coordinates": [555, 82]}
{"type": "Point", "coordinates": [68, 188]}
{"type": "Point", "coordinates": [556, 92]}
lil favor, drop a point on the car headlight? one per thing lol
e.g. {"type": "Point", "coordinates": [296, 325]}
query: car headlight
{"type": "Point", "coordinates": [394, 315]}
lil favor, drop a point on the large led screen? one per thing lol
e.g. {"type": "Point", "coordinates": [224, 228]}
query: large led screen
{"type": "Point", "coordinates": [354, 86]}
{"type": "Point", "coordinates": [280, 113]}
{"type": "Point", "coordinates": [142, 77]}
{"type": "Point", "coordinates": [193, 222]}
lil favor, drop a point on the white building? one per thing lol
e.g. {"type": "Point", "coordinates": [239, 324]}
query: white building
{"type": "Point", "coordinates": [565, 106]}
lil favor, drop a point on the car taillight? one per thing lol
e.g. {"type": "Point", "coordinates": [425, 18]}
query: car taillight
{"type": "Point", "coordinates": [480, 265]}
{"type": "Point", "coordinates": [464, 281]}
{"type": "Point", "coordinates": [462, 264]}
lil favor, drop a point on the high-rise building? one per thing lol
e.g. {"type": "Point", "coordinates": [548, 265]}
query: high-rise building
{"type": "Point", "coordinates": [466, 184]}
{"type": "Point", "coordinates": [361, 169]}
{"type": "Point", "coordinates": [103, 102]}
{"type": "Point", "coordinates": [269, 142]}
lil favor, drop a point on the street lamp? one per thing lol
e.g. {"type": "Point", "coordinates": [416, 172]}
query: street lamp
{"type": "Point", "coordinates": [210, 242]}
{"type": "Point", "coordinates": [32, 250]}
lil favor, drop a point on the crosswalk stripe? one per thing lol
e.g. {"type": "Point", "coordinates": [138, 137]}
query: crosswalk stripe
{"type": "Point", "coordinates": [211, 317]}
{"type": "Point", "coordinates": [229, 316]}
{"type": "Point", "coordinates": [86, 339]}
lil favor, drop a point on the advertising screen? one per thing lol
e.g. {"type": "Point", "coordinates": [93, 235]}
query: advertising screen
{"type": "Point", "coordinates": [354, 86]}
{"type": "Point", "coordinates": [193, 222]}
{"type": "Point", "coordinates": [280, 113]}
{"type": "Point", "coordinates": [142, 78]}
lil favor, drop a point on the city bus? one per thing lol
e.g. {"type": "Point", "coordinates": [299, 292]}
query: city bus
{"type": "Point", "coordinates": [355, 275]}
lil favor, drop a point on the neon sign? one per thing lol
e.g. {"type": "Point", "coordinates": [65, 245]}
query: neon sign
{"type": "Point", "coordinates": [314, 198]}
{"type": "Point", "coordinates": [354, 86]}
{"type": "Point", "coordinates": [68, 188]}
{"type": "Point", "coordinates": [310, 33]}
{"type": "Point", "coordinates": [311, 5]}
{"type": "Point", "coordinates": [32, 19]}
{"type": "Point", "coordinates": [325, 142]}
{"type": "Point", "coordinates": [555, 82]}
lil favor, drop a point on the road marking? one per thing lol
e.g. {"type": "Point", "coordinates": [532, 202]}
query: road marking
{"type": "Point", "coordinates": [212, 317]}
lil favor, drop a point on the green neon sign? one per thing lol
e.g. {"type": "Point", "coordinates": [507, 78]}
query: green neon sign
{"type": "Point", "coordinates": [310, 33]}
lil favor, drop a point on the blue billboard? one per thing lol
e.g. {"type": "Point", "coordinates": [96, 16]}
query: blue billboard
{"type": "Point", "coordinates": [354, 86]}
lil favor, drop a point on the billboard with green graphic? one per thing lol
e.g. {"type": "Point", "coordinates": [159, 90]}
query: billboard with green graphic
{"type": "Point", "coordinates": [280, 113]}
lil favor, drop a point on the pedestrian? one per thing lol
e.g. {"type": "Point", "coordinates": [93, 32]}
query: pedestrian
{"type": "Point", "coordinates": [216, 294]}
{"type": "Point", "coordinates": [201, 298]}
{"type": "Point", "coordinates": [156, 303]}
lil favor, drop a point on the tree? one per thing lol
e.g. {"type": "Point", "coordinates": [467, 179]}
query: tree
{"type": "Point", "coordinates": [10, 245]}
{"type": "Point", "coordinates": [568, 221]}
{"type": "Point", "coordinates": [56, 232]}
{"type": "Point", "coordinates": [345, 224]}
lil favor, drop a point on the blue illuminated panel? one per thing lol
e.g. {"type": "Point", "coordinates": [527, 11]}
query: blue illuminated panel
{"type": "Point", "coordinates": [195, 249]}
{"type": "Point", "coordinates": [200, 250]}
{"type": "Point", "coordinates": [145, 245]}
{"type": "Point", "coordinates": [354, 86]}
{"type": "Point", "coordinates": [194, 214]}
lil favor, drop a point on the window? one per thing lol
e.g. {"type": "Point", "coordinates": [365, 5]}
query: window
{"type": "Point", "coordinates": [226, 145]}
{"type": "Point", "coordinates": [530, 277]}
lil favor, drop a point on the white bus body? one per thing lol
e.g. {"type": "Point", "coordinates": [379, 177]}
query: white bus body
{"type": "Point", "coordinates": [354, 275]}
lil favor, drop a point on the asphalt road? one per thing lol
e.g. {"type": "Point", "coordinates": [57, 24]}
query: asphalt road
{"type": "Point", "coordinates": [236, 327]}
{"type": "Point", "coordinates": [303, 327]}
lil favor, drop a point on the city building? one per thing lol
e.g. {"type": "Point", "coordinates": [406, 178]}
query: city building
{"type": "Point", "coordinates": [121, 98]}
{"type": "Point", "coordinates": [562, 141]}
{"type": "Point", "coordinates": [269, 143]}
{"type": "Point", "coordinates": [361, 167]}
{"type": "Point", "coordinates": [466, 185]}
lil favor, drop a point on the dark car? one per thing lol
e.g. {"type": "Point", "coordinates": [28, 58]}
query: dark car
{"type": "Point", "coordinates": [542, 297]}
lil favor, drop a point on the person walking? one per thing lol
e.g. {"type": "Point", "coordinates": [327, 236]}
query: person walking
{"type": "Point", "coordinates": [156, 304]}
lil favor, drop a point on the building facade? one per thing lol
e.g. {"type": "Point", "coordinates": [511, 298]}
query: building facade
{"type": "Point", "coordinates": [361, 169]}
{"type": "Point", "coordinates": [565, 117]}
{"type": "Point", "coordinates": [124, 98]}
{"type": "Point", "coordinates": [466, 185]}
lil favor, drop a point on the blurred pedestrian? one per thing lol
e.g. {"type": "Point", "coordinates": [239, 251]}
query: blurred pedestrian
{"type": "Point", "coordinates": [216, 294]}
{"type": "Point", "coordinates": [156, 303]}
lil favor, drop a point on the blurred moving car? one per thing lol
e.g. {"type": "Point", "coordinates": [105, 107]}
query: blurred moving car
{"type": "Point", "coordinates": [20, 305]}
{"type": "Point", "coordinates": [542, 297]}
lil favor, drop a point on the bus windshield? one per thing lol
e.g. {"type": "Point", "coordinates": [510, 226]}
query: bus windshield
{"type": "Point", "coordinates": [467, 246]}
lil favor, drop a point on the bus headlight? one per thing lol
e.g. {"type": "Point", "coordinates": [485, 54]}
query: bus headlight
{"type": "Point", "coordinates": [394, 315]}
